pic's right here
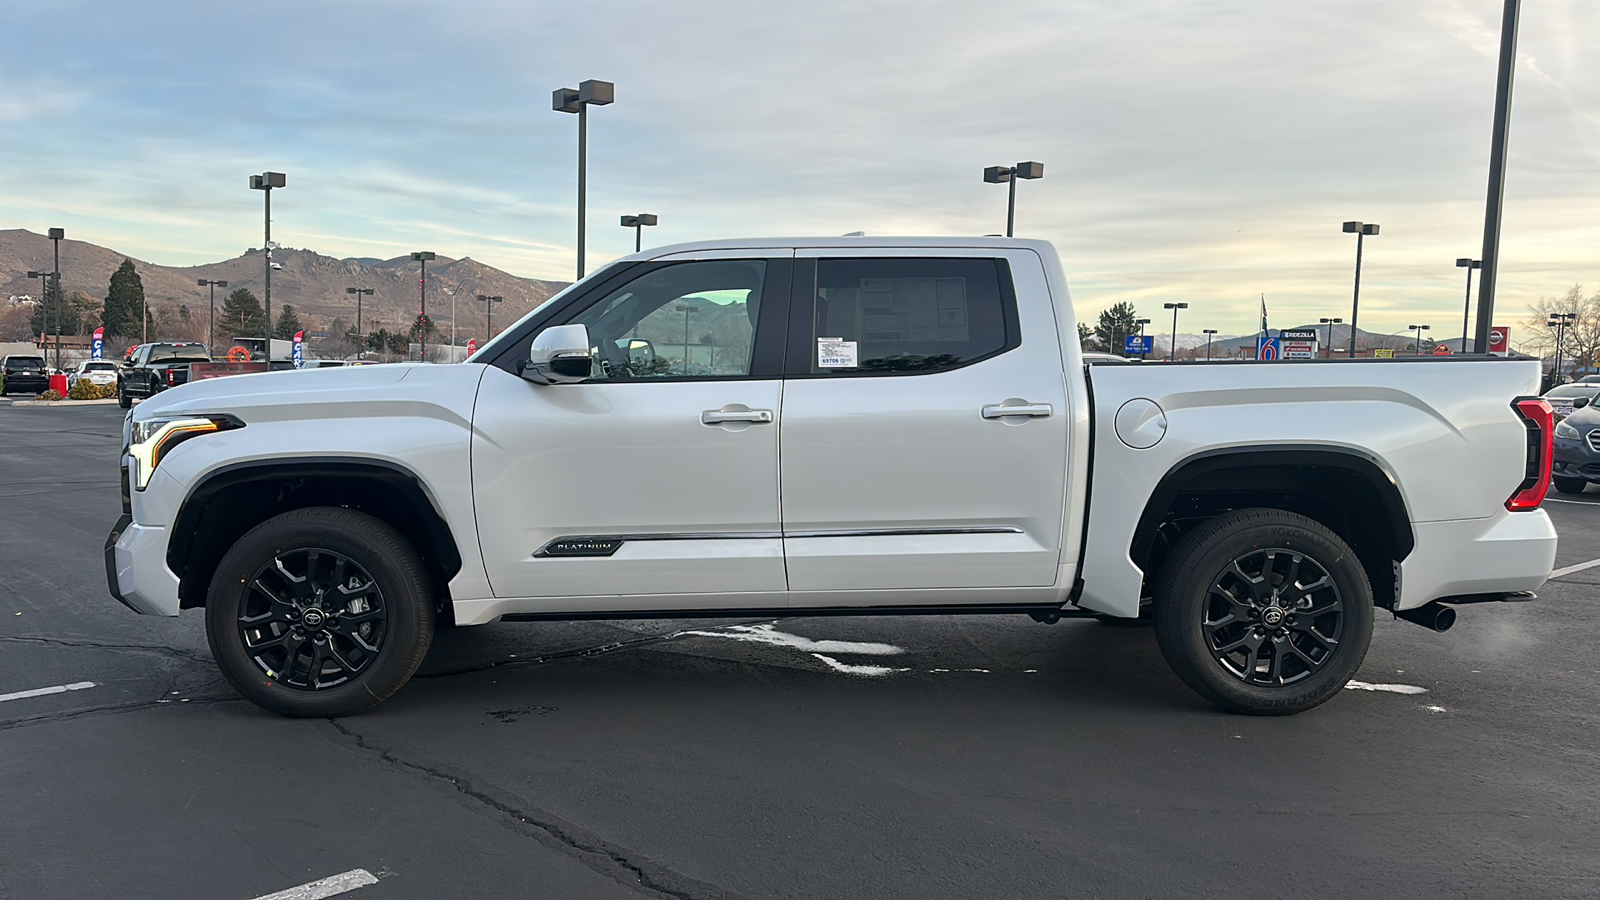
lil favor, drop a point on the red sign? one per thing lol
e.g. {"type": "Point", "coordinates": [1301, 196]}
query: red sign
{"type": "Point", "coordinates": [1499, 339]}
{"type": "Point", "coordinates": [1441, 350]}
{"type": "Point", "coordinates": [472, 346]}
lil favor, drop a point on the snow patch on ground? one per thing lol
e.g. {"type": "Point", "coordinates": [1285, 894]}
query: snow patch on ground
{"type": "Point", "coordinates": [766, 634]}
{"type": "Point", "coordinates": [1389, 688]}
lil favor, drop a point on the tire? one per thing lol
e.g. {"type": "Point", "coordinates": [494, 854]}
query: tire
{"type": "Point", "coordinates": [1281, 660]}
{"type": "Point", "coordinates": [123, 400]}
{"type": "Point", "coordinates": [1569, 485]}
{"type": "Point", "coordinates": [373, 634]}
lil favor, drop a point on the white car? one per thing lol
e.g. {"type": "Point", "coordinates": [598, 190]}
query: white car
{"type": "Point", "coordinates": [829, 427]}
{"type": "Point", "coordinates": [95, 371]}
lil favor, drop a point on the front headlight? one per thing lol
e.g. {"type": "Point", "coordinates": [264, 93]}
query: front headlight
{"type": "Point", "coordinates": [151, 440]}
{"type": "Point", "coordinates": [1563, 430]}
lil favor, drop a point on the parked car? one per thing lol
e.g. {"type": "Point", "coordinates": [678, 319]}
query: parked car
{"type": "Point", "coordinates": [1094, 358]}
{"type": "Point", "coordinates": [1567, 397]}
{"type": "Point", "coordinates": [1577, 450]}
{"type": "Point", "coordinates": [157, 366]}
{"type": "Point", "coordinates": [24, 375]}
{"type": "Point", "coordinates": [94, 371]}
{"type": "Point", "coordinates": [889, 426]}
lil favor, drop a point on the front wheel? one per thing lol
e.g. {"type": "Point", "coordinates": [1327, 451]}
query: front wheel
{"type": "Point", "coordinates": [123, 400]}
{"type": "Point", "coordinates": [320, 612]}
{"type": "Point", "coordinates": [1263, 612]}
{"type": "Point", "coordinates": [1567, 485]}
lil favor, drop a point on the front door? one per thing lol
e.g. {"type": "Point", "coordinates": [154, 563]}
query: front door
{"type": "Point", "coordinates": [658, 477]}
{"type": "Point", "coordinates": [925, 431]}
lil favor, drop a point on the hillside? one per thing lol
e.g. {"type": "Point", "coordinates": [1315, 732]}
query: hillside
{"type": "Point", "coordinates": [314, 283]}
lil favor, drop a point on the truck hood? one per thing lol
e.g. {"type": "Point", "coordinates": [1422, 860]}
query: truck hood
{"type": "Point", "coordinates": [399, 389]}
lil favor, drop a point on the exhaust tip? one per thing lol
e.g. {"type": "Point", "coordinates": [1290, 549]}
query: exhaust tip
{"type": "Point", "coordinates": [1433, 614]}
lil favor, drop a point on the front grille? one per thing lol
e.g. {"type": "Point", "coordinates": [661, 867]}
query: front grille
{"type": "Point", "coordinates": [1593, 440]}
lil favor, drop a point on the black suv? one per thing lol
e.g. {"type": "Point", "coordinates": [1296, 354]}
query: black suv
{"type": "Point", "coordinates": [24, 375]}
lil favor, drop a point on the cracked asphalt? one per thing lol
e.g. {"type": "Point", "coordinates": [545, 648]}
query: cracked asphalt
{"type": "Point", "coordinates": [998, 758]}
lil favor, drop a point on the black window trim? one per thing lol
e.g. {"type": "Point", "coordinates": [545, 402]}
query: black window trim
{"type": "Point", "coordinates": [802, 321]}
{"type": "Point", "coordinates": [766, 358]}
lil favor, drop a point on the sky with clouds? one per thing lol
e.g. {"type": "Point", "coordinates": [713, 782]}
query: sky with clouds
{"type": "Point", "coordinates": [1203, 151]}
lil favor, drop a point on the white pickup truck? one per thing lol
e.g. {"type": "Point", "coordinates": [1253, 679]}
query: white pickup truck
{"type": "Point", "coordinates": [844, 426]}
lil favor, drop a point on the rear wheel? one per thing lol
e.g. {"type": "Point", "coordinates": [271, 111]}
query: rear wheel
{"type": "Point", "coordinates": [319, 612]}
{"type": "Point", "coordinates": [1567, 485]}
{"type": "Point", "coordinates": [1263, 612]}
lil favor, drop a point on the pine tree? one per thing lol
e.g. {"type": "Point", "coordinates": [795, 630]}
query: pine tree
{"type": "Point", "coordinates": [1115, 325]}
{"type": "Point", "coordinates": [288, 323]}
{"type": "Point", "coordinates": [125, 304]}
{"type": "Point", "coordinates": [241, 315]}
{"type": "Point", "coordinates": [45, 314]}
{"type": "Point", "coordinates": [417, 326]}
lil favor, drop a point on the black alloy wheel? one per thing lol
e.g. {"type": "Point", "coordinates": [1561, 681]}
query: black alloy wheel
{"type": "Point", "coordinates": [323, 611]}
{"type": "Point", "coordinates": [1263, 611]}
{"type": "Point", "coordinates": [312, 619]}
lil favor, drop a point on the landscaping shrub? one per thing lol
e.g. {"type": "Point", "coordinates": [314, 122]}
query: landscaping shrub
{"type": "Point", "coordinates": [50, 395]}
{"type": "Point", "coordinates": [88, 390]}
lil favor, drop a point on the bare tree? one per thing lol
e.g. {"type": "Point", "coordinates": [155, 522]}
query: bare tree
{"type": "Point", "coordinates": [1580, 344]}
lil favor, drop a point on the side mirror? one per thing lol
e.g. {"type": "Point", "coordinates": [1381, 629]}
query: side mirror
{"type": "Point", "coordinates": [560, 355]}
{"type": "Point", "coordinates": [1580, 402]}
{"type": "Point", "coordinates": [641, 353]}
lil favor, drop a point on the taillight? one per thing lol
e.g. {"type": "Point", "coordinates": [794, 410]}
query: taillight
{"type": "Point", "coordinates": [1539, 421]}
{"type": "Point", "coordinates": [172, 379]}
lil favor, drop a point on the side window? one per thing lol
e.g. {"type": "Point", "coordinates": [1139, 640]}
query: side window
{"type": "Point", "coordinates": [686, 320]}
{"type": "Point", "coordinates": [886, 316]}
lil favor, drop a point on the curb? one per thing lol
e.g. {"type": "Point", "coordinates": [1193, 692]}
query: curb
{"type": "Point", "coordinates": [63, 402]}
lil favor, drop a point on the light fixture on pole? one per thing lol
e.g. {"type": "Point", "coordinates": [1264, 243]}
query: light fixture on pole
{"type": "Point", "coordinates": [361, 336]}
{"type": "Point", "coordinates": [1008, 175]}
{"type": "Point", "coordinates": [211, 307]}
{"type": "Point", "coordinates": [422, 256]}
{"type": "Point", "coordinates": [1327, 352]}
{"type": "Point", "coordinates": [1143, 354]}
{"type": "Point", "coordinates": [1172, 349]}
{"type": "Point", "coordinates": [1560, 322]}
{"type": "Point", "coordinates": [488, 315]}
{"type": "Point", "coordinates": [265, 182]}
{"type": "Point", "coordinates": [1360, 230]}
{"type": "Point", "coordinates": [567, 100]}
{"type": "Point", "coordinates": [1466, 311]}
{"type": "Point", "coordinates": [1419, 329]}
{"type": "Point", "coordinates": [638, 223]}
{"type": "Point", "coordinates": [1208, 332]}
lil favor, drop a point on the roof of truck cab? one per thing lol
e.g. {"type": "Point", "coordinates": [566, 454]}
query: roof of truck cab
{"type": "Point", "coordinates": [843, 242]}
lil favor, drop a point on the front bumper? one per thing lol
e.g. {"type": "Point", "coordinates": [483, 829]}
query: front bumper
{"type": "Point", "coordinates": [136, 569]}
{"type": "Point", "coordinates": [1575, 459]}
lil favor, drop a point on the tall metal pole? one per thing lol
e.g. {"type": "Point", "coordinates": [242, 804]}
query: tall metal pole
{"type": "Point", "coordinates": [1355, 301]}
{"type": "Point", "coordinates": [422, 289]}
{"type": "Point", "coordinates": [211, 315]}
{"type": "Point", "coordinates": [1011, 203]}
{"type": "Point", "coordinates": [1497, 170]}
{"type": "Point", "coordinates": [56, 235]}
{"type": "Point", "coordinates": [266, 328]}
{"type": "Point", "coordinates": [1466, 311]}
{"type": "Point", "coordinates": [583, 155]}
{"type": "Point", "coordinates": [1208, 347]}
{"type": "Point", "coordinates": [638, 237]}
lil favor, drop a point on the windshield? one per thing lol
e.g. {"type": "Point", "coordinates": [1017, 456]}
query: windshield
{"type": "Point", "coordinates": [99, 367]}
{"type": "Point", "coordinates": [187, 351]}
{"type": "Point", "coordinates": [25, 362]}
{"type": "Point", "coordinates": [1573, 390]}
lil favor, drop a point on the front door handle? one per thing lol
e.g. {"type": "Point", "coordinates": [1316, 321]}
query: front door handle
{"type": "Point", "coordinates": [727, 415]}
{"type": "Point", "coordinates": [1031, 410]}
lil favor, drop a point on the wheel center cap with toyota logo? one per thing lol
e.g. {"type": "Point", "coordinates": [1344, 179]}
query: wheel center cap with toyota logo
{"type": "Point", "coordinates": [313, 618]}
{"type": "Point", "coordinates": [1273, 616]}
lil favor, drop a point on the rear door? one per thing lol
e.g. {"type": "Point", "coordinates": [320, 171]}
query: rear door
{"type": "Point", "coordinates": [924, 441]}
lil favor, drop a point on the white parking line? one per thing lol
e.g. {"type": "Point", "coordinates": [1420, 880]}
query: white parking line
{"type": "Point", "coordinates": [40, 692]}
{"type": "Point", "coordinates": [326, 887]}
{"type": "Point", "coordinates": [1568, 570]}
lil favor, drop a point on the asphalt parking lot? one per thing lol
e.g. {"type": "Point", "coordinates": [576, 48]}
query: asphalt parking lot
{"type": "Point", "coordinates": [989, 757]}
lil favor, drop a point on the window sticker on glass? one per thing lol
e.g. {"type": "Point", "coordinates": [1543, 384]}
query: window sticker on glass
{"type": "Point", "coordinates": [912, 309]}
{"type": "Point", "coordinates": [835, 353]}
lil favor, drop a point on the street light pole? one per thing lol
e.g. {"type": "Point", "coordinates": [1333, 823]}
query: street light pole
{"type": "Point", "coordinates": [360, 335]}
{"type": "Point", "coordinates": [1208, 333]}
{"type": "Point", "coordinates": [265, 182]}
{"type": "Point", "coordinates": [1327, 353]}
{"type": "Point", "coordinates": [422, 256]}
{"type": "Point", "coordinates": [687, 311]}
{"type": "Point", "coordinates": [1419, 329]}
{"type": "Point", "coordinates": [597, 93]}
{"type": "Point", "coordinates": [1172, 349]}
{"type": "Point", "coordinates": [1008, 175]}
{"type": "Point", "coordinates": [1360, 230]}
{"type": "Point", "coordinates": [1144, 355]}
{"type": "Point", "coordinates": [638, 223]}
{"type": "Point", "coordinates": [1497, 170]}
{"type": "Point", "coordinates": [56, 236]}
{"type": "Point", "coordinates": [44, 296]}
{"type": "Point", "coordinates": [1466, 312]}
{"type": "Point", "coordinates": [1559, 321]}
{"type": "Point", "coordinates": [488, 315]}
{"type": "Point", "coordinates": [211, 315]}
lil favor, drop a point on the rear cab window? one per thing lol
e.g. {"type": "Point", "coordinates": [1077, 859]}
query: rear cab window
{"type": "Point", "coordinates": [902, 316]}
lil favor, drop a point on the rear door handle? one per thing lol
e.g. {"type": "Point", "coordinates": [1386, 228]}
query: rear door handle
{"type": "Point", "coordinates": [723, 416]}
{"type": "Point", "coordinates": [1031, 410]}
